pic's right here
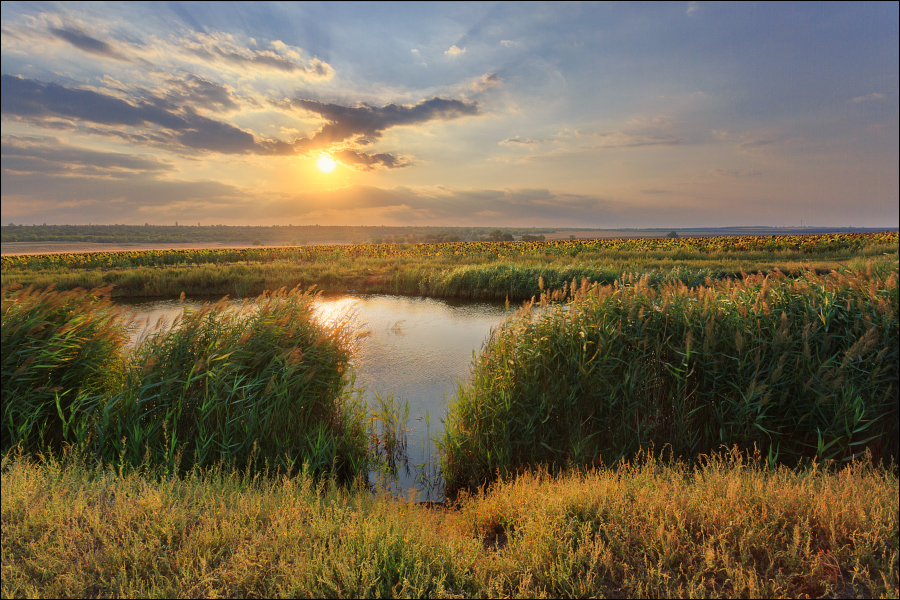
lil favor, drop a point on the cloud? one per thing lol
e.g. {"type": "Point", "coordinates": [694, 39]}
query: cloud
{"type": "Point", "coordinates": [222, 48]}
{"type": "Point", "coordinates": [755, 143]}
{"type": "Point", "coordinates": [736, 172]}
{"type": "Point", "coordinates": [81, 199]}
{"type": "Point", "coordinates": [872, 96]}
{"type": "Point", "coordinates": [366, 121]}
{"type": "Point", "coordinates": [454, 51]}
{"type": "Point", "coordinates": [50, 157]}
{"type": "Point", "coordinates": [86, 43]}
{"type": "Point", "coordinates": [517, 141]}
{"type": "Point", "coordinates": [369, 162]}
{"type": "Point", "coordinates": [199, 93]}
{"type": "Point", "coordinates": [485, 82]}
{"type": "Point", "coordinates": [35, 101]}
{"type": "Point", "coordinates": [440, 205]}
{"type": "Point", "coordinates": [622, 139]}
{"type": "Point", "coordinates": [508, 43]}
{"type": "Point", "coordinates": [173, 123]}
{"type": "Point", "coordinates": [692, 8]}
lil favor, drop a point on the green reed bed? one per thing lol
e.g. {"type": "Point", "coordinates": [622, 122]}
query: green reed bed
{"type": "Point", "coordinates": [724, 527]}
{"type": "Point", "coordinates": [475, 276]}
{"type": "Point", "coordinates": [264, 382]}
{"type": "Point", "coordinates": [804, 367]}
{"type": "Point", "coordinates": [57, 347]}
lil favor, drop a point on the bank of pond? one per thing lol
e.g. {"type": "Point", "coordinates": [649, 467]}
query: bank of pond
{"type": "Point", "coordinates": [803, 368]}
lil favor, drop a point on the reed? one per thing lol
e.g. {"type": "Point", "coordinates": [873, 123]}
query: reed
{"type": "Point", "coordinates": [802, 368]}
{"type": "Point", "coordinates": [407, 270]}
{"type": "Point", "coordinates": [264, 383]}
{"type": "Point", "coordinates": [59, 350]}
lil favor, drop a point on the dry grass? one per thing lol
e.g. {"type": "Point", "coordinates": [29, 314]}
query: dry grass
{"type": "Point", "coordinates": [729, 527]}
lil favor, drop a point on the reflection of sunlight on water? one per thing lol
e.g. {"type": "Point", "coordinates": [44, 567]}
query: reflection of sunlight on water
{"type": "Point", "coordinates": [417, 349]}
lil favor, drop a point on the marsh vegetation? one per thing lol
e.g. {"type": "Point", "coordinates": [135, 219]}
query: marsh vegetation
{"type": "Point", "coordinates": [583, 456]}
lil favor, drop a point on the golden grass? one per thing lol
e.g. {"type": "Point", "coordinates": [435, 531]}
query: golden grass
{"type": "Point", "coordinates": [726, 528]}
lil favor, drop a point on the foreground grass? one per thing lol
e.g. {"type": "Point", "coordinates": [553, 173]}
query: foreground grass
{"type": "Point", "coordinates": [727, 528]}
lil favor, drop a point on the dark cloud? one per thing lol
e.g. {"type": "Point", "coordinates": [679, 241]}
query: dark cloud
{"type": "Point", "coordinates": [368, 162]}
{"type": "Point", "coordinates": [49, 157]}
{"type": "Point", "coordinates": [34, 100]}
{"type": "Point", "coordinates": [366, 121]}
{"type": "Point", "coordinates": [172, 121]}
{"type": "Point", "coordinates": [86, 43]}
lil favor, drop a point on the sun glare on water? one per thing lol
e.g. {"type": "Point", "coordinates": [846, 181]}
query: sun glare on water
{"type": "Point", "coordinates": [326, 164]}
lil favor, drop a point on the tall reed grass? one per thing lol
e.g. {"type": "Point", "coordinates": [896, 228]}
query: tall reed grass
{"type": "Point", "coordinates": [58, 348]}
{"type": "Point", "coordinates": [802, 368]}
{"type": "Point", "coordinates": [472, 276]}
{"type": "Point", "coordinates": [265, 382]}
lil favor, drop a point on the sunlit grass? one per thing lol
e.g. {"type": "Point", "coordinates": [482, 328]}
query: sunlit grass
{"type": "Point", "coordinates": [476, 275]}
{"type": "Point", "coordinates": [728, 527]}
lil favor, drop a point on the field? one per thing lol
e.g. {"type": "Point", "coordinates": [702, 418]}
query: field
{"type": "Point", "coordinates": [667, 417]}
{"type": "Point", "coordinates": [494, 270]}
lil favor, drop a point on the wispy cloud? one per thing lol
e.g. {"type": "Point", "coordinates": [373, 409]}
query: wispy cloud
{"type": "Point", "coordinates": [692, 8]}
{"type": "Point", "coordinates": [485, 82]}
{"type": "Point", "coordinates": [517, 141]}
{"type": "Point", "coordinates": [52, 157]}
{"type": "Point", "coordinates": [869, 97]}
{"type": "Point", "coordinates": [624, 139]}
{"type": "Point", "coordinates": [278, 56]}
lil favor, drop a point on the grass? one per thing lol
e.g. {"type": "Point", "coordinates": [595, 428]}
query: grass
{"type": "Point", "coordinates": [58, 347]}
{"type": "Point", "coordinates": [219, 459]}
{"type": "Point", "coordinates": [266, 382]}
{"type": "Point", "coordinates": [499, 274]}
{"type": "Point", "coordinates": [800, 367]}
{"type": "Point", "coordinates": [728, 526]}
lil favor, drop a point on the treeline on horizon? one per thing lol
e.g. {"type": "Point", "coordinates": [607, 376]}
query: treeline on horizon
{"type": "Point", "coordinates": [296, 235]}
{"type": "Point", "coordinates": [267, 235]}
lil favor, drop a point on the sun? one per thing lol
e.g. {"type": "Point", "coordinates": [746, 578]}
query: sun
{"type": "Point", "coordinates": [326, 164]}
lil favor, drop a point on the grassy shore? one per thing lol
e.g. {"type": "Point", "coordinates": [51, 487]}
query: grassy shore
{"type": "Point", "coordinates": [729, 527]}
{"type": "Point", "coordinates": [475, 276]}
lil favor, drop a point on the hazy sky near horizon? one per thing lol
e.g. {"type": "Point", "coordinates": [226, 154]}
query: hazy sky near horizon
{"type": "Point", "coordinates": [688, 114]}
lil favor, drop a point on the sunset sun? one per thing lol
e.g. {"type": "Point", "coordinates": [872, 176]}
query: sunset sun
{"type": "Point", "coordinates": [326, 164]}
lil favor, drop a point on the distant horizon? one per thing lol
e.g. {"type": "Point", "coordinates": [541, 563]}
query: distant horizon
{"type": "Point", "coordinates": [423, 226]}
{"type": "Point", "coordinates": [601, 116]}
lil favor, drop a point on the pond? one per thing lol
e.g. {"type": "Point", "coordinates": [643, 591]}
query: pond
{"type": "Point", "coordinates": [417, 349]}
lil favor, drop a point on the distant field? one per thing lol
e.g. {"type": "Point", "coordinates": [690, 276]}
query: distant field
{"type": "Point", "coordinates": [43, 239]}
{"type": "Point", "coordinates": [17, 248]}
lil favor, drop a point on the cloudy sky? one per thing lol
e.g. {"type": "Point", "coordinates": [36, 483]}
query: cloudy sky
{"type": "Point", "coordinates": [596, 115]}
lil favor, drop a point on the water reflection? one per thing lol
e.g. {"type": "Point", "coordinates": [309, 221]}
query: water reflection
{"type": "Point", "coordinates": [416, 349]}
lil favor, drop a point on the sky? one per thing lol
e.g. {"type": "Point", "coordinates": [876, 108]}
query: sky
{"type": "Point", "coordinates": [598, 115]}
